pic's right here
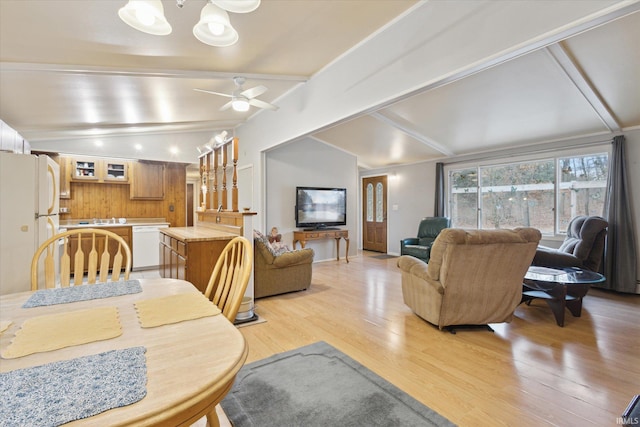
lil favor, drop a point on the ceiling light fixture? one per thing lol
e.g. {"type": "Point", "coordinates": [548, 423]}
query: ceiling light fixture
{"type": "Point", "coordinates": [146, 16]}
{"type": "Point", "coordinates": [221, 137]}
{"type": "Point", "coordinates": [214, 27]}
{"type": "Point", "coordinates": [240, 103]}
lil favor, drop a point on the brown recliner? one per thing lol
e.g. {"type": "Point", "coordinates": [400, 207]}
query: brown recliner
{"type": "Point", "coordinates": [474, 277]}
{"type": "Point", "coordinates": [278, 273]}
{"type": "Point", "coordinates": [582, 248]}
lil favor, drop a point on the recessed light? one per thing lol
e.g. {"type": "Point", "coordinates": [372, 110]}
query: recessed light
{"type": "Point", "coordinates": [138, 147]}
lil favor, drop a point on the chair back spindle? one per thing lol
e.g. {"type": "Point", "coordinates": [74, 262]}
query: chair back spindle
{"type": "Point", "coordinates": [99, 245]}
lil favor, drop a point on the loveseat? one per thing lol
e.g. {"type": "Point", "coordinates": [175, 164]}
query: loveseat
{"type": "Point", "coordinates": [278, 270]}
{"type": "Point", "coordinates": [474, 277]}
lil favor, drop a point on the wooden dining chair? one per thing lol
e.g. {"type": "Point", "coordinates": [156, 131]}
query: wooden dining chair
{"type": "Point", "coordinates": [230, 277]}
{"type": "Point", "coordinates": [93, 251]}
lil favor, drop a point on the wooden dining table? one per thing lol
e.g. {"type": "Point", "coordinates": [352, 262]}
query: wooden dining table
{"type": "Point", "coordinates": [190, 365]}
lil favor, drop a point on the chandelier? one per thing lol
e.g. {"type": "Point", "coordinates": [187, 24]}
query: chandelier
{"type": "Point", "coordinates": [214, 27]}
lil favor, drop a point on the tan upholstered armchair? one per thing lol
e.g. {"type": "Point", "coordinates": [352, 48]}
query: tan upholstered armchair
{"type": "Point", "coordinates": [474, 277]}
{"type": "Point", "coordinates": [280, 272]}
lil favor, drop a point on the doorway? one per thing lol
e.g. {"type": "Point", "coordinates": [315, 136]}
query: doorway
{"type": "Point", "coordinates": [374, 214]}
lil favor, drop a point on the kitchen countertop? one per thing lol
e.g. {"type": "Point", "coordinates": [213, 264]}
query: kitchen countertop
{"type": "Point", "coordinates": [75, 223]}
{"type": "Point", "coordinates": [194, 234]}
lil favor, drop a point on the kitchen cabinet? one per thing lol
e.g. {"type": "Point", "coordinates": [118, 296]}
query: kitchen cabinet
{"type": "Point", "coordinates": [190, 254]}
{"type": "Point", "coordinates": [96, 169]}
{"type": "Point", "coordinates": [65, 178]}
{"type": "Point", "coordinates": [87, 243]}
{"type": "Point", "coordinates": [147, 181]}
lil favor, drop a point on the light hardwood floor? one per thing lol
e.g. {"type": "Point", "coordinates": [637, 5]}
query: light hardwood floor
{"type": "Point", "coordinates": [529, 372]}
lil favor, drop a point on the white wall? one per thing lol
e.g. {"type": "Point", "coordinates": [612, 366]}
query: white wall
{"type": "Point", "coordinates": [309, 163]}
{"type": "Point", "coordinates": [411, 189]}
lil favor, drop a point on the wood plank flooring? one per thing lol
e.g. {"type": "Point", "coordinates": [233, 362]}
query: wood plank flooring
{"type": "Point", "coordinates": [529, 372]}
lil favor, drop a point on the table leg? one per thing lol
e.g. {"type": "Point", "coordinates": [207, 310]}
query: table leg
{"type": "Point", "coordinates": [575, 306]}
{"type": "Point", "coordinates": [346, 254]}
{"type": "Point", "coordinates": [212, 419]}
{"type": "Point", "coordinates": [558, 303]}
{"type": "Point", "coordinates": [337, 249]}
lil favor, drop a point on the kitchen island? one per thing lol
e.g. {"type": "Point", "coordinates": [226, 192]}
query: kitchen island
{"type": "Point", "coordinates": [190, 253]}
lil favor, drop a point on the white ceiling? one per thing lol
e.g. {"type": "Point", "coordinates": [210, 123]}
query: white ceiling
{"type": "Point", "coordinates": [72, 73]}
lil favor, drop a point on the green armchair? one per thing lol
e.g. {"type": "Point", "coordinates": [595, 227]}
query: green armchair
{"type": "Point", "coordinates": [428, 230]}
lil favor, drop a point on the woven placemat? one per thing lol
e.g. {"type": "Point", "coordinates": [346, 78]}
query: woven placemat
{"type": "Point", "coordinates": [59, 330]}
{"type": "Point", "coordinates": [60, 392]}
{"type": "Point", "coordinates": [174, 308]}
{"type": "Point", "coordinates": [82, 293]}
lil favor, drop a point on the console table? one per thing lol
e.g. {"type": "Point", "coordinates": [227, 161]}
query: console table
{"type": "Point", "coordinates": [304, 236]}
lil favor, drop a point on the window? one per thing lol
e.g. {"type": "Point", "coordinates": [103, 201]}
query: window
{"type": "Point", "coordinates": [540, 193]}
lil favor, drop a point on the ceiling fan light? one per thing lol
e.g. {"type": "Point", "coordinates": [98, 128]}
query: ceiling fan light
{"type": "Point", "coordinates": [146, 16]}
{"type": "Point", "coordinates": [237, 6]}
{"type": "Point", "coordinates": [240, 104]}
{"type": "Point", "coordinates": [214, 27]}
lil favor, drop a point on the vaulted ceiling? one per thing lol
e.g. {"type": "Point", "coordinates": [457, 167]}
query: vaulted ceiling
{"type": "Point", "coordinates": [73, 74]}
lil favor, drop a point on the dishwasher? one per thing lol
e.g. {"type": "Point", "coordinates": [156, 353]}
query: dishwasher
{"type": "Point", "coordinates": [146, 243]}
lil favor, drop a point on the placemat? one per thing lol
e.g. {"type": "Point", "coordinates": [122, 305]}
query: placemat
{"type": "Point", "coordinates": [60, 392]}
{"type": "Point", "coordinates": [82, 293]}
{"type": "Point", "coordinates": [174, 309]}
{"type": "Point", "coordinates": [55, 331]}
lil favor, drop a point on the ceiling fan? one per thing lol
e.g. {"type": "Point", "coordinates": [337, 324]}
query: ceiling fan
{"type": "Point", "coordinates": [241, 99]}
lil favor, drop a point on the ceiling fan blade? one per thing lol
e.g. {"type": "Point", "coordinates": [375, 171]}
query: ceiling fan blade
{"type": "Point", "coordinates": [226, 106]}
{"type": "Point", "coordinates": [262, 104]}
{"type": "Point", "coordinates": [214, 93]}
{"type": "Point", "coordinates": [254, 91]}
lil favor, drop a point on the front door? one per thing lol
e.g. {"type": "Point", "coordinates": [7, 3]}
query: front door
{"type": "Point", "coordinates": [374, 214]}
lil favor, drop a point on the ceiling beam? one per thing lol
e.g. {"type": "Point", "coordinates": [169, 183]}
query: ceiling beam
{"type": "Point", "coordinates": [140, 72]}
{"type": "Point", "coordinates": [88, 131]}
{"type": "Point", "coordinates": [600, 107]}
{"type": "Point", "coordinates": [408, 128]}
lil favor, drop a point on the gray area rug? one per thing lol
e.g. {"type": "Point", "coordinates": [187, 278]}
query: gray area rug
{"type": "Point", "coordinates": [318, 385]}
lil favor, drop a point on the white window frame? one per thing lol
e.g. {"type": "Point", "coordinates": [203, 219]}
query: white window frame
{"type": "Point", "coordinates": [604, 147]}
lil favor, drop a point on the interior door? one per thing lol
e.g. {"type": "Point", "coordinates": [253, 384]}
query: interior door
{"type": "Point", "coordinates": [374, 214]}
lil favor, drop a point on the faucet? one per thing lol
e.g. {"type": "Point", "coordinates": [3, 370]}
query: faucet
{"type": "Point", "coordinates": [113, 219]}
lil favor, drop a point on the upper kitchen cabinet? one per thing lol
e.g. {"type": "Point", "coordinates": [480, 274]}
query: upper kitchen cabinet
{"type": "Point", "coordinates": [147, 180]}
{"type": "Point", "coordinates": [113, 171]}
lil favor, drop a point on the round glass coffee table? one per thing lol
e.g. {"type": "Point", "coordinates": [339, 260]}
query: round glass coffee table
{"type": "Point", "coordinates": [560, 287]}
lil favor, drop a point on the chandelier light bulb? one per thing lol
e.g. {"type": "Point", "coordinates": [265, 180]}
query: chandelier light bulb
{"type": "Point", "coordinates": [216, 28]}
{"type": "Point", "coordinates": [145, 16]}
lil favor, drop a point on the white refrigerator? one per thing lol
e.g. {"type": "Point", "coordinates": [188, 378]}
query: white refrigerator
{"type": "Point", "coordinates": [29, 203]}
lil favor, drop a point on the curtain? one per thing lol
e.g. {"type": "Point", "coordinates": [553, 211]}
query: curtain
{"type": "Point", "coordinates": [438, 209]}
{"type": "Point", "coordinates": [620, 259]}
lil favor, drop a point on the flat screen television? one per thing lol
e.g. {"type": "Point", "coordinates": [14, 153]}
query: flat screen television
{"type": "Point", "coordinates": [318, 207]}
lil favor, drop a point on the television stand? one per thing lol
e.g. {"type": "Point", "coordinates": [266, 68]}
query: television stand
{"type": "Point", "coordinates": [321, 229]}
{"type": "Point", "coordinates": [323, 233]}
